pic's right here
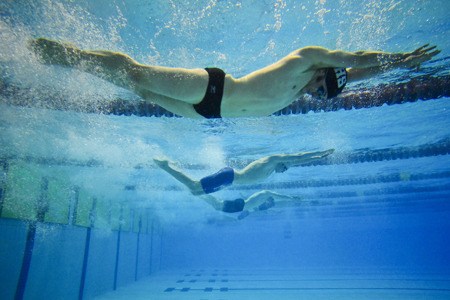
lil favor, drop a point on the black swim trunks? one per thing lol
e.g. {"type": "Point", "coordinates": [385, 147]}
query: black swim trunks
{"type": "Point", "coordinates": [217, 181]}
{"type": "Point", "coordinates": [209, 107]}
{"type": "Point", "coordinates": [232, 206]}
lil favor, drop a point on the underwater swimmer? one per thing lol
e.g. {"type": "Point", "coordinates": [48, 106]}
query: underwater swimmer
{"type": "Point", "coordinates": [211, 93]}
{"type": "Point", "coordinates": [259, 201]}
{"type": "Point", "coordinates": [254, 172]}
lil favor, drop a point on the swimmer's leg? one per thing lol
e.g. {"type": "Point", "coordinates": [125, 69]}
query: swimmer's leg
{"type": "Point", "coordinates": [187, 85]}
{"type": "Point", "coordinates": [193, 185]}
{"type": "Point", "coordinates": [213, 201]}
{"type": "Point", "coordinates": [175, 106]}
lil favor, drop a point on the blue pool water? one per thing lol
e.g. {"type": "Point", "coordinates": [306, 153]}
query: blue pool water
{"type": "Point", "coordinates": [85, 213]}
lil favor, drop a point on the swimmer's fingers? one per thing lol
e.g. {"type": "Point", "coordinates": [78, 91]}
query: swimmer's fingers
{"type": "Point", "coordinates": [421, 48]}
{"type": "Point", "coordinates": [416, 51]}
{"type": "Point", "coordinates": [427, 50]}
{"type": "Point", "coordinates": [428, 55]}
{"type": "Point", "coordinates": [414, 61]}
{"type": "Point", "coordinates": [430, 48]}
{"type": "Point", "coordinates": [321, 154]}
{"type": "Point", "coordinates": [434, 53]}
{"type": "Point", "coordinates": [424, 49]}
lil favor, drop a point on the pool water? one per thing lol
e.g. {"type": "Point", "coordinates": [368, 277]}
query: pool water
{"type": "Point", "coordinates": [85, 213]}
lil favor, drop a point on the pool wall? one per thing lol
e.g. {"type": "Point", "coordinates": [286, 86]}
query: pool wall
{"type": "Point", "coordinates": [46, 256]}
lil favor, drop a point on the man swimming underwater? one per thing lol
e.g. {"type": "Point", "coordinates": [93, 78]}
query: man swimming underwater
{"type": "Point", "coordinates": [259, 201]}
{"type": "Point", "coordinates": [211, 93]}
{"type": "Point", "coordinates": [254, 172]}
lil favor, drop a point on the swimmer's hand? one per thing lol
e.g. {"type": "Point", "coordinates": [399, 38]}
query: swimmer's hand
{"type": "Point", "coordinates": [414, 58]}
{"type": "Point", "coordinates": [318, 154]}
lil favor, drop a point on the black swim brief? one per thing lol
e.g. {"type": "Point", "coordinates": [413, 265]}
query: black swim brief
{"type": "Point", "coordinates": [217, 181]}
{"type": "Point", "coordinates": [232, 206]}
{"type": "Point", "coordinates": [209, 107]}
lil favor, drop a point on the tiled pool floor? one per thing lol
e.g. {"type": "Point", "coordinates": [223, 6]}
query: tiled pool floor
{"type": "Point", "coordinates": [275, 284]}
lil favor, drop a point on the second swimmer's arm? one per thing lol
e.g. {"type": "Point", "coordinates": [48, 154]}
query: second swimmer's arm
{"type": "Point", "coordinates": [261, 197]}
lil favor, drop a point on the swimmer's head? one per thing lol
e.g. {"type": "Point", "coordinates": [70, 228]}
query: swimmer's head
{"type": "Point", "coordinates": [335, 79]}
{"type": "Point", "coordinates": [326, 83]}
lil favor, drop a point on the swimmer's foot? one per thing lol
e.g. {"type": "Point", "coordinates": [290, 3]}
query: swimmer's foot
{"type": "Point", "coordinates": [54, 52]}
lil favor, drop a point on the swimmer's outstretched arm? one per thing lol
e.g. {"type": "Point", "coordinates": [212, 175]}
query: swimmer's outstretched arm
{"type": "Point", "coordinates": [318, 57]}
{"type": "Point", "coordinates": [412, 60]}
{"type": "Point", "coordinates": [264, 199]}
{"type": "Point", "coordinates": [193, 185]}
{"type": "Point", "coordinates": [262, 168]}
{"type": "Point", "coordinates": [253, 202]}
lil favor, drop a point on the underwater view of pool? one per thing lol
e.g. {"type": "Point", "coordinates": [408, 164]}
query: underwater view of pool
{"type": "Point", "coordinates": [86, 213]}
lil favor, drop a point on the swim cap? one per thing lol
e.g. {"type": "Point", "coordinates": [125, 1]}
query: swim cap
{"type": "Point", "coordinates": [336, 79]}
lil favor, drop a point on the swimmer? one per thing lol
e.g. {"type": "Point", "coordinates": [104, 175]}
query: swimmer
{"type": "Point", "coordinates": [254, 172]}
{"type": "Point", "coordinates": [259, 201]}
{"type": "Point", "coordinates": [211, 93]}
